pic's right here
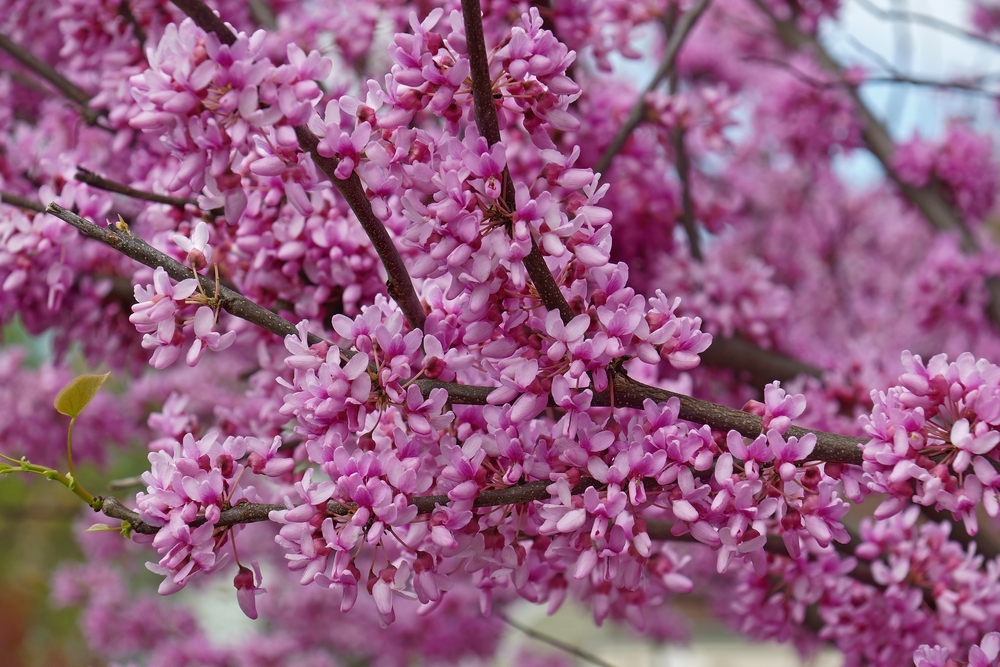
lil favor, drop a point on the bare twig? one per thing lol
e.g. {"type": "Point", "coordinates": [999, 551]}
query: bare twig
{"type": "Point", "coordinates": [400, 285]}
{"type": "Point", "coordinates": [763, 366]}
{"type": "Point", "coordinates": [895, 78]}
{"type": "Point", "coordinates": [47, 72]}
{"type": "Point", "coordinates": [925, 19]}
{"type": "Point", "coordinates": [206, 19]}
{"type": "Point", "coordinates": [684, 26]}
{"type": "Point", "coordinates": [240, 514]}
{"type": "Point", "coordinates": [125, 11]}
{"type": "Point", "coordinates": [101, 183]}
{"type": "Point", "coordinates": [263, 14]}
{"type": "Point", "coordinates": [627, 392]}
{"type": "Point", "coordinates": [687, 202]}
{"type": "Point", "coordinates": [557, 643]}
{"type": "Point", "coordinates": [928, 198]}
{"type": "Point", "coordinates": [22, 202]}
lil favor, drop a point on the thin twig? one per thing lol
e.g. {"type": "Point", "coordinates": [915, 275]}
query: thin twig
{"type": "Point", "coordinates": [627, 392]}
{"type": "Point", "coordinates": [557, 643]}
{"type": "Point", "coordinates": [635, 116]}
{"type": "Point", "coordinates": [928, 199]}
{"type": "Point", "coordinates": [132, 246]}
{"type": "Point", "coordinates": [763, 366]}
{"type": "Point", "coordinates": [688, 218]}
{"type": "Point", "coordinates": [399, 284]}
{"type": "Point", "coordinates": [263, 14]}
{"type": "Point", "coordinates": [22, 202]}
{"type": "Point", "coordinates": [101, 183]}
{"type": "Point", "coordinates": [925, 19]}
{"type": "Point", "coordinates": [125, 11]}
{"type": "Point", "coordinates": [47, 72]}
{"type": "Point", "coordinates": [894, 78]}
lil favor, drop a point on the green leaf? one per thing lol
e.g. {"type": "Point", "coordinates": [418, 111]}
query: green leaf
{"type": "Point", "coordinates": [75, 396]}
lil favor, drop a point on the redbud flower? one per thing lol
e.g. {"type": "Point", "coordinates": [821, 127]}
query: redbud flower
{"type": "Point", "coordinates": [247, 591]}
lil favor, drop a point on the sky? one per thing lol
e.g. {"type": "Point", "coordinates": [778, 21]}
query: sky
{"type": "Point", "coordinates": [862, 38]}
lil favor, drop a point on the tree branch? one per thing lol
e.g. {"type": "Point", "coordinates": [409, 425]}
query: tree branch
{"type": "Point", "coordinates": [231, 301]}
{"type": "Point", "coordinates": [925, 19]}
{"type": "Point", "coordinates": [206, 19]}
{"type": "Point", "coordinates": [47, 72]}
{"type": "Point", "coordinates": [684, 26]}
{"type": "Point", "coordinates": [21, 202]}
{"type": "Point", "coordinates": [586, 656]}
{"type": "Point", "coordinates": [399, 284]}
{"type": "Point", "coordinates": [627, 392]}
{"type": "Point", "coordinates": [927, 199]}
{"type": "Point", "coordinates": [485, 112]}
{"type": "Point", "coordinates": [101, 183]}
{"type": "Point", "coordinates": [763, 366]}
{"type": "Point", "coordinates": [125, 11]}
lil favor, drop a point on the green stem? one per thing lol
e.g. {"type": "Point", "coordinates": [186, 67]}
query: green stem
{"type": "Point", "coordinates": [68, 480]}
{"type": "Point", "coordinates": [69, 446]}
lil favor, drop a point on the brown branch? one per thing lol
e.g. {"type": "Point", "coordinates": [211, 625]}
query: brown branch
{"type": "Point", "coordinates": [485, 112]}
{"type": "Point", "coordinates": [399, 284]}
{"type": "Point", "coordinates": [928, 198]}
{"type": "Point", "coordinates": [893, 78]}
{"type": "Point", "coordinates": [240, 514]}
{"type": "Point", "coordinates": [232, 302]}
{"type": "Point", "coordinates": [586, 656]}
{"type": "Point", "coordinates": [125, 11]}
{"type": "Point", "coordinates": [763, 366]}
{"type": "Point", "coordinates": [627, 392]}
{"type": "Point", "coordinates": [635, 116]}
{"type": "Point", "coordinates": [101, 183]}
{"type": "Point", "coordinates": [21, 202]}
{"type": "Point", "coordinates": [206, 19]}
{"type": "Point", "coordinates": [687, 201]}
{"type": "Point", "coordinates": [263, 14]}
{"type": "Point", "coordinates": [47, 72]}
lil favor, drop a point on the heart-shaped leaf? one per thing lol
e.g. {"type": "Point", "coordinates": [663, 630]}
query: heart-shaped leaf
{"type": "Point", "coordinates": [75, 396]}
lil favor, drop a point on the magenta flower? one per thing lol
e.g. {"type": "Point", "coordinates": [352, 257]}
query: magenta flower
{"type": "Point", "coordinates": [247, 591]}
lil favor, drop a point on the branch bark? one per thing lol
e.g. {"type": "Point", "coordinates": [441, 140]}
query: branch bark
{"type": "Point", "coordinates": [47, 72]}
{"type": "Point", "coordinates": [399, 284]}
{"type": "Point", "coordinates": [927, 199]}
{"type": "Point", "coordinates": [232, 301]}
{"type": "Point", "coordinates": [22, 202]}
{"type": "Point", "coordinates": [488, 124]}
{"type": "Point", "coordinates": [101, 183]}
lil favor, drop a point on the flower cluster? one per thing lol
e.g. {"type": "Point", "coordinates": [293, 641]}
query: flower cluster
{"type": "Point", "coordinates": [962, 162]}
{"type": "Point", "coordinates": [214, 105]}
{"type": "Point", "coordinates": [934, 438]}
{"type": "Point", "coordinates": [160, 314]}
{"type": "Point", "coordinates": [188, 486]}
